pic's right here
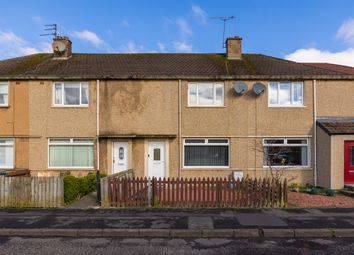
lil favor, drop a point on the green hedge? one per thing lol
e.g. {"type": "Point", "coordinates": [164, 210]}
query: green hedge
{"type": "Point", "coordinates": [77, 187]}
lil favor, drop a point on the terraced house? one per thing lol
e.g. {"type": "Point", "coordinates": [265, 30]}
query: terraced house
{"type": "Point", "coordinates": [170, 115]}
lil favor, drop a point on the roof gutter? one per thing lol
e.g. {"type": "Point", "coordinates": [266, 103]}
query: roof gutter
{"type": "Point", "coordinates": [174, 77]}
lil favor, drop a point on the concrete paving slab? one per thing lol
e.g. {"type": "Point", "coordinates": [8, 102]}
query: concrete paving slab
{"type": "Point", "coordinates": [200, 223]}
{"type": "Point", "coordinates": [259, 219]}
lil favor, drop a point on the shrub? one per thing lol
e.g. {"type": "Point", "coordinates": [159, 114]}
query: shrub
{"type": "Point", "coordinates": [77, 187]}
{"type": "Point", "coordinates": [71, 189]}
{"type": "Point", "coordinates": [330, 192]}
{"type": "Point", "coordinates": [315, 191]}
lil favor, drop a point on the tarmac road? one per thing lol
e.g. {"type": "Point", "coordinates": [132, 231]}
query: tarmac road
{"type": "Point", "coordinates": [19, 245]}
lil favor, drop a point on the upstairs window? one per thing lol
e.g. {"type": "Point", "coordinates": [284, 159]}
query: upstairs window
{"type": "Point", "coordinates": [286, 94]}
{"type": "Point", "coordinates": [206, 94]}
{"type": "Point", "coordinates": [4, 94]}
{"type": "Point", "coordinates": [71, 94]}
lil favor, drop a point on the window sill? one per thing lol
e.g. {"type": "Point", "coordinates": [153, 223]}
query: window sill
{"type": "Point", "coordinates": [287, 106]}
{"type": "Point", "coordinates": [4, 106]}
{"type": "Point", "coordinates": [70, 168]}
{"type": "Point", "coordinates": [205, 167]}
{"type": "Point", "coordinates": [69, 106]}
{"type": "Point", "coordinates": [206, 106]}
{"type": "Point", "coordinates": [288, 168]}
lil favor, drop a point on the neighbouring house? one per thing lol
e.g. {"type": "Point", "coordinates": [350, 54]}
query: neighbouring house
{"type": "Point", "coordinates": [177, 115]}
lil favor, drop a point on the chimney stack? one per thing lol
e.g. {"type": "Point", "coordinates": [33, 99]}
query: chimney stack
{"type": "Point", "coordinates": [62, 47]}
{"type": "Point", "coordinates": [234, 47]}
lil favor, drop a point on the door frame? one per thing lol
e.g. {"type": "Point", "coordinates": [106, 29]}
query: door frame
{"type": "Point", "coordinates": [347, 143]}
{"type": "Point", "coordinates": [128, 153]}
{"type": "Point", "coordinates": [167, 153]}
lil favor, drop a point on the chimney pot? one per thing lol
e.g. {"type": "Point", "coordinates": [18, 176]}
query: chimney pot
{"type": "Point", "coordinates": [234, 47]}
{"type": "Point", "coordinates": [62, 47]}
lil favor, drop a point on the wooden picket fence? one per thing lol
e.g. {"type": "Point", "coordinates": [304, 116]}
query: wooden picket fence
{"type": "Point", "coordinates": [186, 193]}
{"type": "Point", "coordinates": [21, 192]}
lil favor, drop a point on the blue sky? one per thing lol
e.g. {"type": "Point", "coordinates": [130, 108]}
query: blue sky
{"type": "Point", "coordinates": [301, 30]}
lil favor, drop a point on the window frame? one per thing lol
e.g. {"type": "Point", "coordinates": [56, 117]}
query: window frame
{"type": "Point", "coordinates": [206, 143]}
{"type": "Point", "coordinates": [291, 94]}
{"type": "Point", "coordinates": [62, 104]}
{"type": "Point", "coordinates": [214, 94]}
{"type": "Point", "coordinates": [12, 144]}
{"type": "Point", "coordinates": [71, 142]}
{"type": "Point", "coordinates": [8, 93]}
{"type": "Point", "coordinates": [286, 144]}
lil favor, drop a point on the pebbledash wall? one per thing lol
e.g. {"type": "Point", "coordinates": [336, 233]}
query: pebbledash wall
{"type": "Point", "coordinates": [139, 110]}
{"type": "Point", "coordinates": [49, 121]}
{"type": "Point", "coordinates": [14, 122]}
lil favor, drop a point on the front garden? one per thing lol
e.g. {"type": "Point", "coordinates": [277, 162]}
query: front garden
{"type": "Point", "coordinates": [312, 197]}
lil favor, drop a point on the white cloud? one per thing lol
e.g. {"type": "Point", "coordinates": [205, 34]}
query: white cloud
{"type": "Point", "coordinates": [125, 24]}
{"type": "Point", "coordinates": [199, 14]}
{"type": "Point", "coordinates": [184, 27]}
{"type": "Point", "coordinates": [346, 31]}
{"type": "Point", "coordinates": [182, 47]}
{"type": "Point", "coordinates": [89, 36]}
{"type": "Point", "coordinates": [37, 19]}
{"type": "Point", "coordinates": [345, 57]}
{"type": "Point", "coordinates": [131, 47]}
{"type": "Point", "coordinates": [11, 45]}
{"type": "Point", "coordinates": [161, 47]}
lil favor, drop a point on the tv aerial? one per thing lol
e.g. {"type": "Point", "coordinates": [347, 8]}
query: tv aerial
{"type": "Point", "coordinates": [53, 28]}
{"type": "Point", "coordinates": [224, 20]}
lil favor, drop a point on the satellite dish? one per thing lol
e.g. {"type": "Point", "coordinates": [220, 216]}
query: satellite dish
{"type": "Point", "coordinates": [59, 46]}
{"type": "Point", "coordinates": [259, 88]}
{"type": "Point", "coordinates": [240, 87]}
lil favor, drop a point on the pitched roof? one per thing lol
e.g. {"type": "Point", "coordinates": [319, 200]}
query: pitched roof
{"type": "Point", "coordinates": [333, 67]}
{"type": "Point", "coordinates": [157, 66]}
{"type": "Point", "coordinates": [337, 126]}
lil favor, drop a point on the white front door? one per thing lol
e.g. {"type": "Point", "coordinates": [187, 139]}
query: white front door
{"type": "Point", "coordinates": [156, 159]}
{"type": "Point", "coordinates": [120, 156]}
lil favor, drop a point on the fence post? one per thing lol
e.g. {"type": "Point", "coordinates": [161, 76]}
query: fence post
{"type": "Point", "coordinates": [98, 187]}
{"type": "Point", "coordinates": [285, 194]}
{"type": "Point", "coordinates": [218, 191]}
{"type": "Point", "coordinates": [149, 192]}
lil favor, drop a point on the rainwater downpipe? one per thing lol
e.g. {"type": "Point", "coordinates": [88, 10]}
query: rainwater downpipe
{"type": "Point", "coordinates": [179, 130]}
{"type": "Point", "coordinates": [98, 175]}
{"type": "Point", "coordinates": [314, 132]}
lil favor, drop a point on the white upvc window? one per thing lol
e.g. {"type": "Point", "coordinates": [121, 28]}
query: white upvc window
{"type": "Point", "coordinates": [286, 152]}
{"type": "Point", "coordinates": [206, 153]}
{"type": "Point", "coordinates": [286, 94]}
{"type": "Point", "coordinates": [71, 94]}
{"type": "Point", "coordinates": [70, 153]}
{"type": "Point", "coordinates": [205, 94]}
{"type": "Point", "coordinates": [6, 153]}
{"type": "Point", "coordinates": [4, 93]}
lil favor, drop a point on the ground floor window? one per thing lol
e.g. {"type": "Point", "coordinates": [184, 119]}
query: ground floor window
{"type": "Point", "coordinates": [206, 152]}
{"type": "Point", "coordinates": [286, 152]}
{"type": "Point", "coordinates": [6, 153]}
{"type": "Point", "coordinates": [76, 153]}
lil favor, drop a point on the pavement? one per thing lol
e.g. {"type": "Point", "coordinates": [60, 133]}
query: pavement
{"type": "Point", "coordinates": [179, 223]}
{"type": "Point", "coordinates": [86, 202]}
